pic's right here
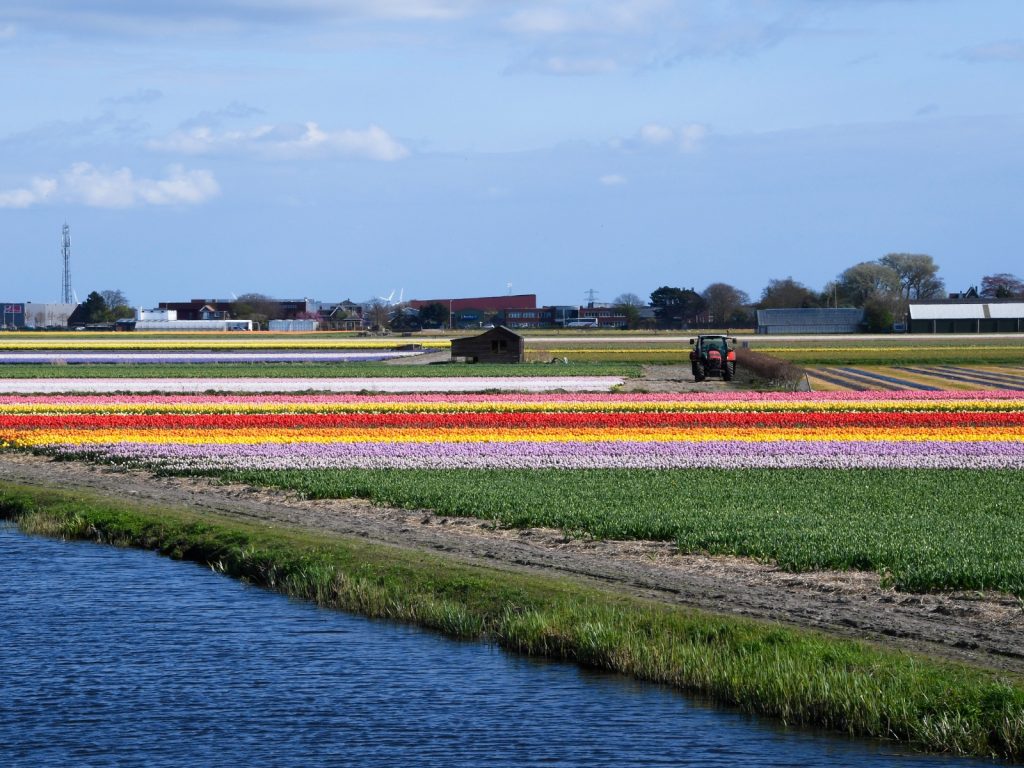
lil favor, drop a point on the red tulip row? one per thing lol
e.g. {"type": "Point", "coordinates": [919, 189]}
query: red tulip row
{"type": "Point", "coordinates": [522, 420]}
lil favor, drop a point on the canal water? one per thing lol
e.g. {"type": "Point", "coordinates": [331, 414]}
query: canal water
{"type": "Point", "coordinates": [113, 657]}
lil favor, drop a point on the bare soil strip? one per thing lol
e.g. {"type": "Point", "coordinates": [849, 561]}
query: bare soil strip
{"type": "Point", "coordinates": [982, 629]}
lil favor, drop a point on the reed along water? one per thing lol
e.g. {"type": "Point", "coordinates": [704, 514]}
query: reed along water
{"type": "Point", "coordinates": [113, 657]}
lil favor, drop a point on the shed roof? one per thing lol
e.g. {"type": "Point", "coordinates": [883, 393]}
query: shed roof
{"type": "Point", "coordinates": [811, 316]}
{"type": "Point", "coordinates": [966, 310]}
{"type": "Point", "coordinates": [500, 330]}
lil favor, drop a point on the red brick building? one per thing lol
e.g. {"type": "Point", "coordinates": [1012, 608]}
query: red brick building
{"type": "Point", "coordinates": [482, 303]}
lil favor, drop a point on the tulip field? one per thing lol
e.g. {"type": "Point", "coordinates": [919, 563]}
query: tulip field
{"type": "Point", "coordinates": [521, 431]}
{"type": "Point", "coordinates": [922, 486]}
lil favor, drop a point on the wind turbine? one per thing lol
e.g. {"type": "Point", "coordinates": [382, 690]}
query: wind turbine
{"type": "Point", "coordinates": [389, 300]}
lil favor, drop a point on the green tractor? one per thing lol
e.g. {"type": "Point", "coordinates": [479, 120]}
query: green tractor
{"type": "Point", "coordinates": [713, 355]}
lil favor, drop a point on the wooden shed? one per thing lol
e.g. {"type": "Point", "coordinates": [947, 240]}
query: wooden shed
{"type": "Point", "coordinates": [498, 345]}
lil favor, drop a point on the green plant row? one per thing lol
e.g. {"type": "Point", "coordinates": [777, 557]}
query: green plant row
{"type": "Point", "coordinates": [307, 370]}
{"type": "Point", "coordinates": [909, 355]}
{"type": "Point", "coordinates": [921, 529]}
{"type": "Point", "coordinates": [801, 678]}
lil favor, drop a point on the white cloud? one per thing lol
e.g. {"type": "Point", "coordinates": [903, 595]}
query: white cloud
{"type": "Point", "coordinates": [652, 133]}
{"type": "Point", "coordinates": [37, 191]}
{"type": "Point", "coordinates": [139, 96]}
{"type": "Point", "coordinates": [687, 138]}
{"type": "Point", "coordinates": [202, 140]}
{"type": "Point", "coordinates": [569, 65]}
{"type": "Point", "coordinates": [1000, 50]}
{"type": "Point", "coordinates": [85, 184]}
{"type": "Point", "coordinates": [373, 143]}
{"type": "Point", "coordinates": [612, 180]}
{"type": "Point", "coordinates": [410, 9]}
{"type": "Point", "coordinates": [162, 15]}
{"type": "Point", "coordinates": [691, 136]}
{"type": "Point", "coordinates": [540, 21]}
{"type": "Point", "coordinates": [596, 18]}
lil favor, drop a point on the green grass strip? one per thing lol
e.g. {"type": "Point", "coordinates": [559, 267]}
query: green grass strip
{"type": "Point", "coordinates": [306, 370]}
{"type": "Point", "coordinates": [921, 529]}
{"type": "Point", "coordinates": [801, 678]}
{"type": "Point", "coordinates": [907, 355]}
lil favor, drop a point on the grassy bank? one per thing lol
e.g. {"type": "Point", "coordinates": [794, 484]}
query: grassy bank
{"type": "Point", "coordinates": [305, 370]}
{"type": "Point", "coordinates": [797, 677]}
{"type": "Point", "coordinates": [922, 529]}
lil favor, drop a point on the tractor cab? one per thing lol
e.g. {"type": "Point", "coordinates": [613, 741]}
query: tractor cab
{"type": "Point", "coordinates": [713, 355]}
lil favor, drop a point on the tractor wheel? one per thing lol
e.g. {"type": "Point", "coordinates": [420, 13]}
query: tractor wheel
{"type": "Point", "coordinates": [728, 371]}
{"type": "Point", "coordinates": [698, 372]}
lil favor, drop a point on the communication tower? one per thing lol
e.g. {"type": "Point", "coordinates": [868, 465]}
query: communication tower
{"type": "Point", "coordinates": [65, 251]}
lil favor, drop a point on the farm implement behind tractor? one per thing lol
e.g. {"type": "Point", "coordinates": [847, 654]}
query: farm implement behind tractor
{"type": "Point", "coordinates": [713, 356]}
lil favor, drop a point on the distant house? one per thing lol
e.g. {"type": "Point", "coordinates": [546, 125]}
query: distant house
{"type": "Point", "coordinates": [991, 316]}
{"type": "Point", "coordinates": [498, 345]}
{"type": "Point", "coordinates": [824, 320]}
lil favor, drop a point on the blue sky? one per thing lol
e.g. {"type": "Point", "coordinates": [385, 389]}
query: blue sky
{"type": "Point", "coordinates": [346, 148]}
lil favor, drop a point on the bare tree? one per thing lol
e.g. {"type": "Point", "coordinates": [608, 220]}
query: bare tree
{"type": "Point", "coordinates": [380, 314]}
{"type": "Point", "coordinates": [787, 294]}
{"type": "Point", "coordinates": [918, 275]}
{"type": "Point", "coordinates": [869, 280]}
{"type": "Point", "coordinates": [629, 305]}
{"type": "Point", "coordinates": [724, 301]}
{"type": "Point", "coordinates": [256, 307]}
{"type": "Point", "coordinates": [115, 298]}
{"type": "Point", "coordinates": [118, 305]}
{"type": "Point", "coordinates": [1002, 286]}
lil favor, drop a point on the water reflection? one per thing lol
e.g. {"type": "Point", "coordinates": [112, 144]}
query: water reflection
{"type": "Point", "coordinates": [119, 657]}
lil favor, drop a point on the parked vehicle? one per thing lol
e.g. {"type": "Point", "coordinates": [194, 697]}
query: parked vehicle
{"type": "Point", "coordinates": [713, 355]}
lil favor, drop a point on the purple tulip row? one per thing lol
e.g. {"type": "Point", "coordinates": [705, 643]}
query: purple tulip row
{"type": "Point", "coordinates": [200, 357]}
{"type": "Point", "coordinates": [566, 455]}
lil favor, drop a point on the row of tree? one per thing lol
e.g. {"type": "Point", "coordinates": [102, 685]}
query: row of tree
{"type": "Point", "coordinates": [882, 288]}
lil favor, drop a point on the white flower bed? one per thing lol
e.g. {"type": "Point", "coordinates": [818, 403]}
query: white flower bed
{"type": "Point", "coordinates": [403, 384]}
{"type": "Point", "coordinates": [257, 356]}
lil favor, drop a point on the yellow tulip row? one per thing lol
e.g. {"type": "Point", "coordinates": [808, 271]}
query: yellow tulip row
{"type": "Point", "coordinates": [254, 436]}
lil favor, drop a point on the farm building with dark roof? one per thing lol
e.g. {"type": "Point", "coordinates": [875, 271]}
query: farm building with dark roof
{"type": "Point", "coordinates": [955, 316]}
{"type": "Point", "coordinates": [782, 321]}
{"type": "Point", "coordinates": [498, 345]}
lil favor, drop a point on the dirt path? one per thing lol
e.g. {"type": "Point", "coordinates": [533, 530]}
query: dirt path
{"type": "Point", "coordinates": [982, 629]}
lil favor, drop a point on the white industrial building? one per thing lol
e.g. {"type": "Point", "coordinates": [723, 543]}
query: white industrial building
{"type": "Point", "coordinates": [155, 315]}
{"type": "Point", "coordinates": [167, 320]}
{"type": "Point", "coordinates": [48, 315]}
{"type": "Point", "coordinates": [293, 325]}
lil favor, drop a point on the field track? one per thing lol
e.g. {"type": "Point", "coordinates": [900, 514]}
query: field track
{"type": "Point", "coordinates": [923, 378]}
